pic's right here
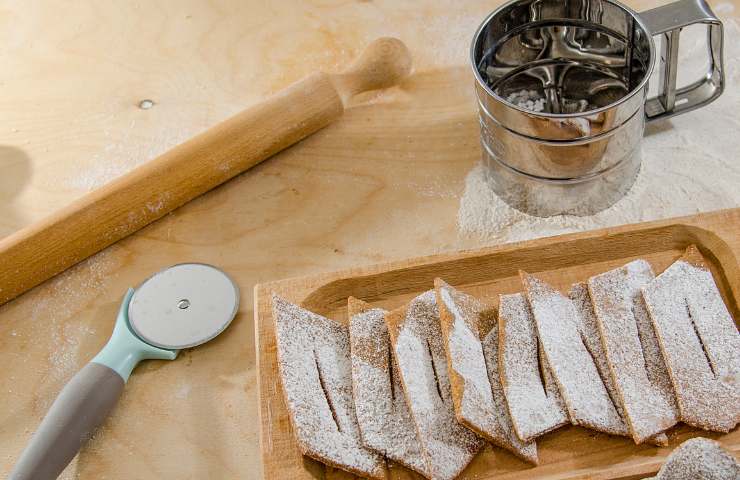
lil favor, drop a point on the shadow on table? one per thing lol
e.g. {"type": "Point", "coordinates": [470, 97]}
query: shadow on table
{"type": "Point", "coordinates": [661, 126]}
{"type": "Point", "coordinates": [15, 173]}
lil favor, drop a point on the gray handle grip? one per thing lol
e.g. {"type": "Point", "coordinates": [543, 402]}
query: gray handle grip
{"type": "Point", "coordinates": [81, 406]}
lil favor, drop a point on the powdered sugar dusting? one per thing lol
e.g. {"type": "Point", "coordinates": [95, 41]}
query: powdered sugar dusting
{"type": "Point", "coordinates": [535, 403]}
{"type": "Point", "coordinates": [700, 459]}
{"type": "Point", "coordinates": [699, 341]}
{"type": "Point", "coordinates": [592, 339]}
{"type": "Point", "coordinates": [529, 99]}
{"type": "Point", "coordinates": [632, 351]}
{"type": "Point", "coordinates": [481, 397]}
{"type": "Point", "coordinates": [417, 341]}
{"type": "Point", "coordinates": [315, 367]}
{"type": "Point", "coordinates": [585, 395]}
{"type": "Point", "coordinates": [382, 414]}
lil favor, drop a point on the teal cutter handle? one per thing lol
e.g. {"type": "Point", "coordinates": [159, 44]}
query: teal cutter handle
{"type": "Point", "coordinates": [85, 402]}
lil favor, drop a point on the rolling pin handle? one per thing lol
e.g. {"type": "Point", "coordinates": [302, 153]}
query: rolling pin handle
{"type": "Point", "coordinates": [384, 63]}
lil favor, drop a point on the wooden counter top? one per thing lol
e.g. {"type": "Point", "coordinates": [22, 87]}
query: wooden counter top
{"type": "Point", "coordinates": [383, 183]}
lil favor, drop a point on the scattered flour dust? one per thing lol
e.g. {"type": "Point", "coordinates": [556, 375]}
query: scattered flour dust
{"type": "Point", "coordinates": [62, 298]}
{"type": "Point", "coordinates": [126, 150]}
{"type": "Point", "coordinates": [183, 391]}
{"type": "Point", "coordinates": [688, 166]}
{"type": "Point", "coordinates": [57, 320]}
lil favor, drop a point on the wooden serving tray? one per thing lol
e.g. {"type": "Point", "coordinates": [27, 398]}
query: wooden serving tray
{"type": "Point", "coordinates": [569, 453]}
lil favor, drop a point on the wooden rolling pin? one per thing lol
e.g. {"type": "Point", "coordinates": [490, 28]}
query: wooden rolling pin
{"type": "Point", "coordinates": [132, 201]}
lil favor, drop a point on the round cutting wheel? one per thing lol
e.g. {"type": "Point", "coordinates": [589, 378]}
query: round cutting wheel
{"type": "Point", "coordinates": [183, 306]}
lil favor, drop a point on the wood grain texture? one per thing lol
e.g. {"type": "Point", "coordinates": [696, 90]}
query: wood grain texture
{"type": "Point", "coordinates": [569, 453]}
{"type": "Point", "coordinates": [382, 183]}
{"type": "Point", "coordinates": [150, 191]}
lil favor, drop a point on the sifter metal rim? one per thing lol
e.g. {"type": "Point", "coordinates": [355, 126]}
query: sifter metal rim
{"type": "Point", "coordinates": [479, 79]}
{"type": "Point", "coordinates": [221, 326]}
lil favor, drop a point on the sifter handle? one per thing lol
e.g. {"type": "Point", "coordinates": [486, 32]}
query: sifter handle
{"type": "Point", "coordinates": [82, 405]}
{"type": "Point", "coordinates": [668, 20]}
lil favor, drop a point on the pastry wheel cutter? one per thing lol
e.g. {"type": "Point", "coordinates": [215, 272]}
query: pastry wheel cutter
{"type": "Point", "coordinates": [180, 307]}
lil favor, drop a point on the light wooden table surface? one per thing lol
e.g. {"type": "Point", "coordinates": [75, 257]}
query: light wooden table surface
{"type": "Point", "coordinates": [383, 183]}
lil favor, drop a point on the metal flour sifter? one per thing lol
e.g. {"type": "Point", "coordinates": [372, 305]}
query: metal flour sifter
{"type": "Point", "coordinates": [562, 95]}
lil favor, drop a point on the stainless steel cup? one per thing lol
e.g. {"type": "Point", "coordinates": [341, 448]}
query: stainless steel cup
{"type": "Point", "coordinates": [585, 65]}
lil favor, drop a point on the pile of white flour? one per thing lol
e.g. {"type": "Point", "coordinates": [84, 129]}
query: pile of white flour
{"type": "Point", "coordinates": [689, 163]}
